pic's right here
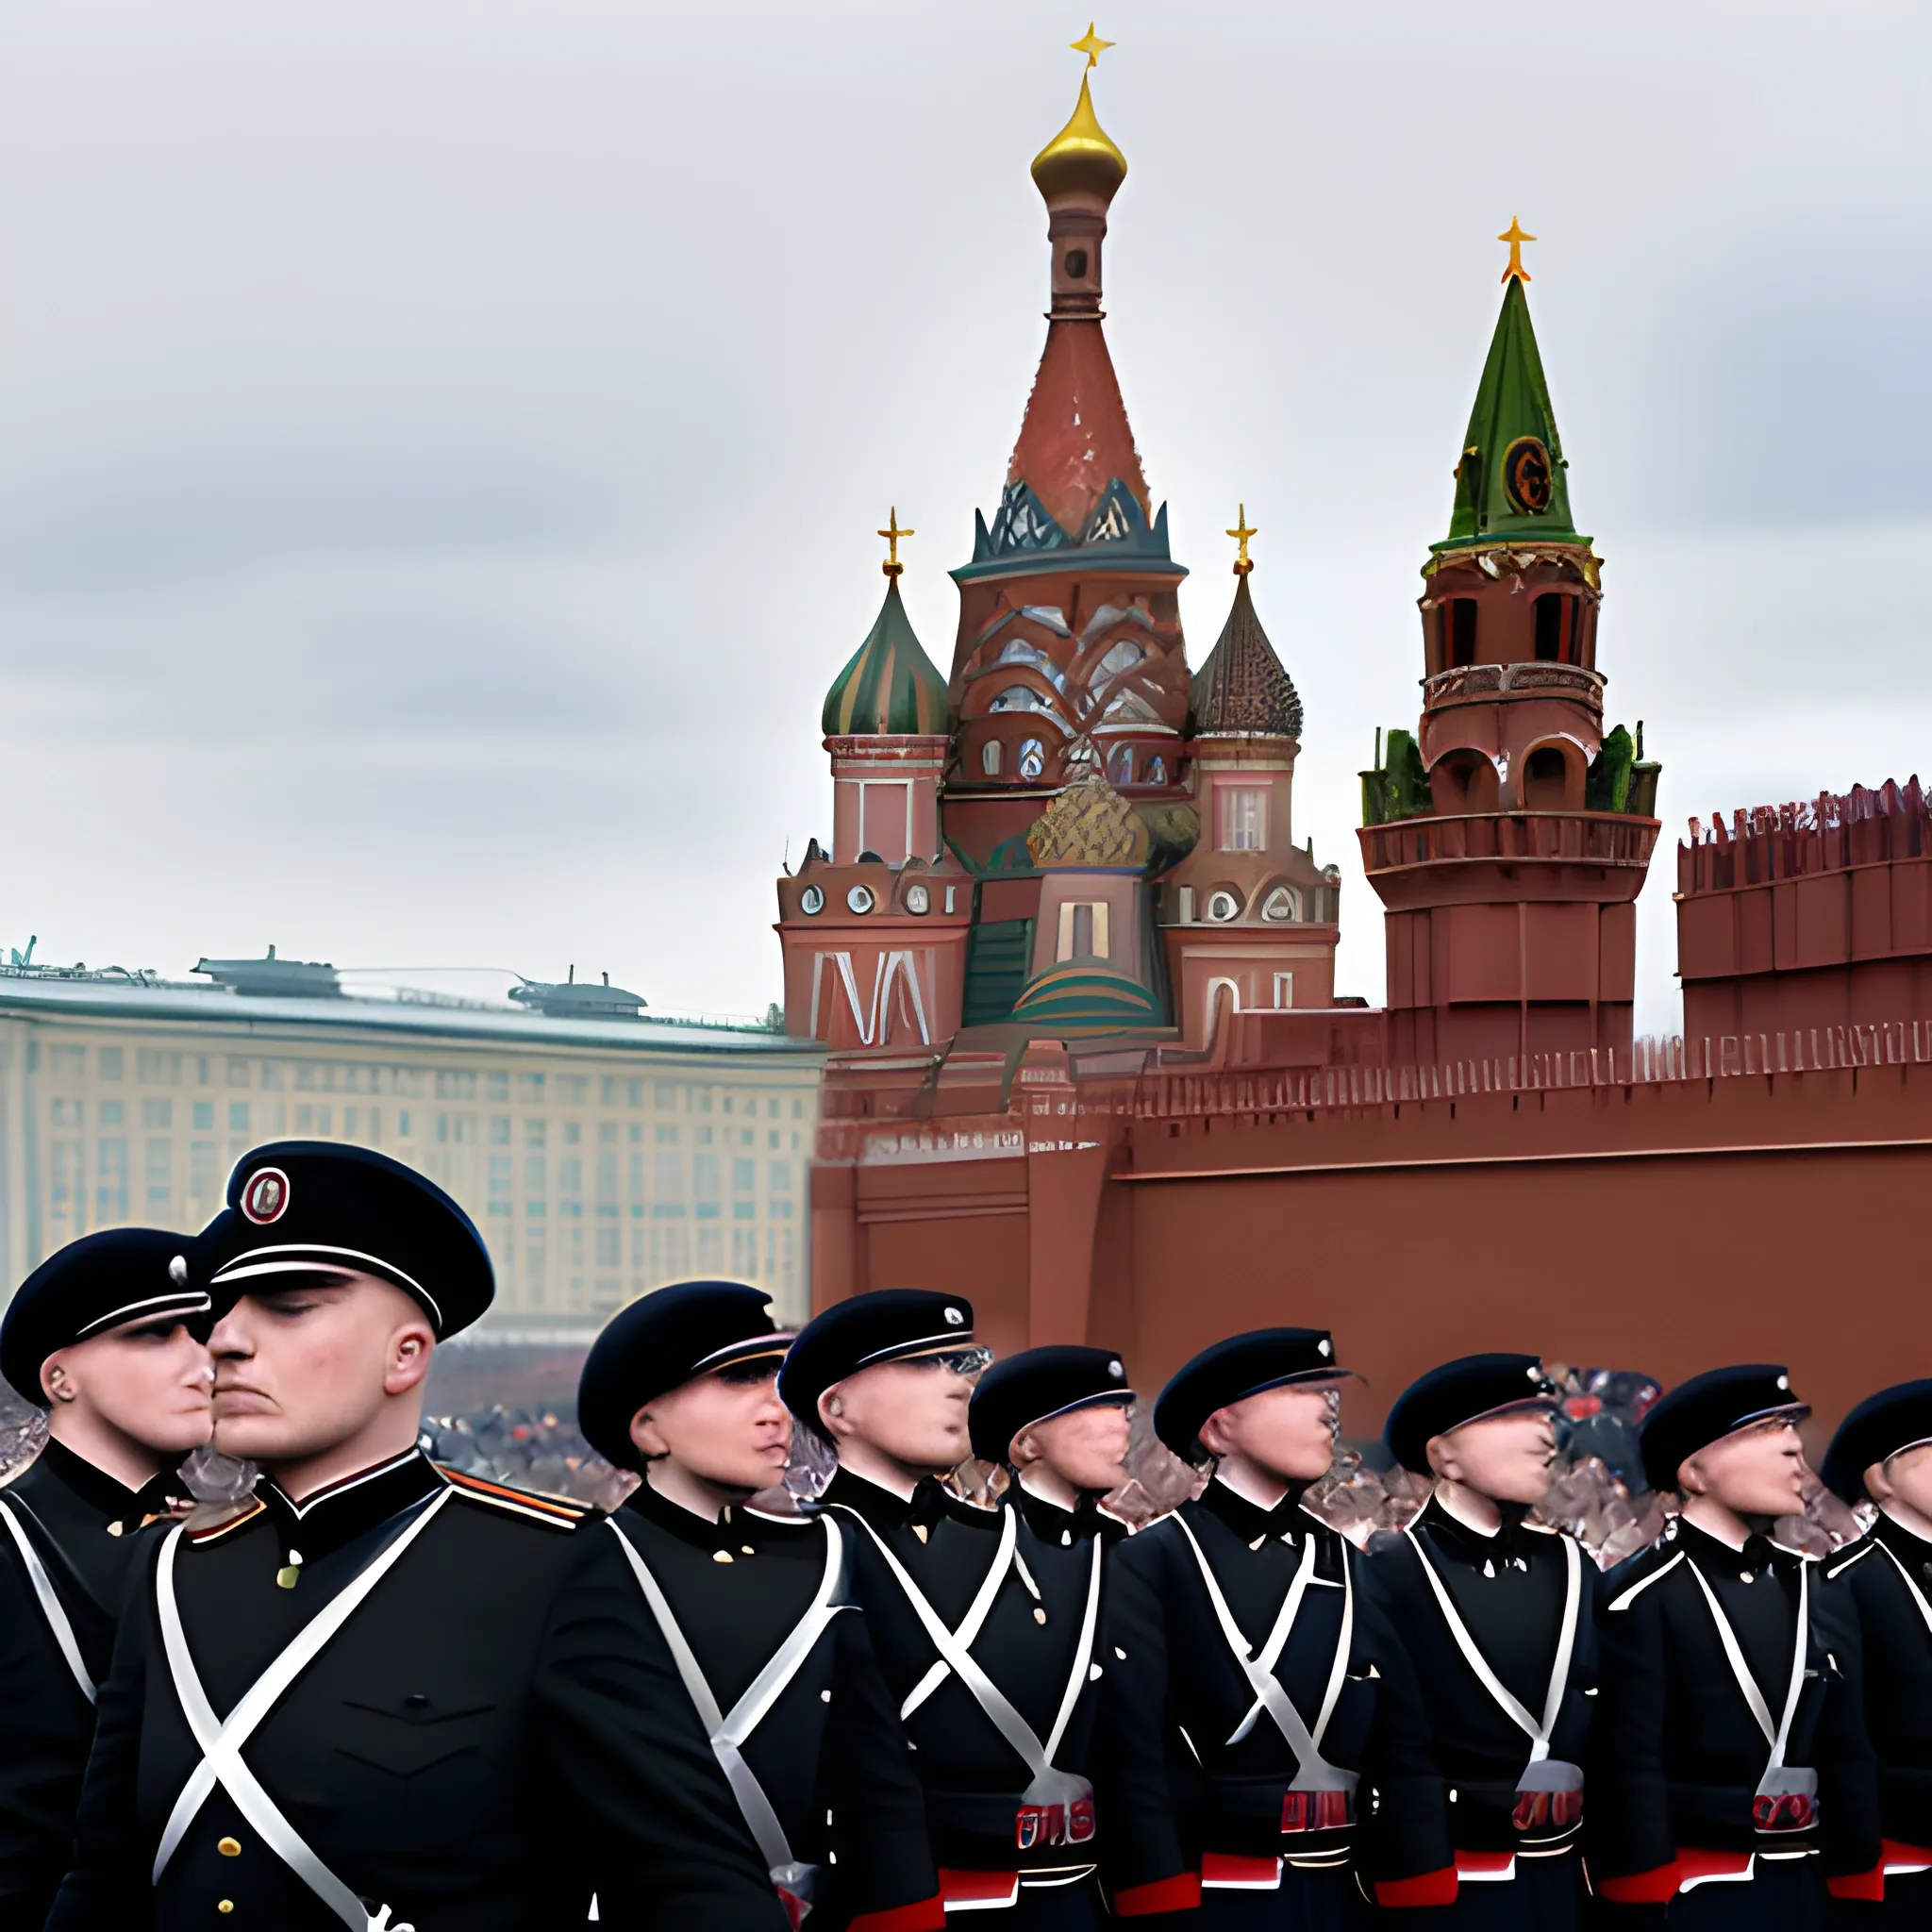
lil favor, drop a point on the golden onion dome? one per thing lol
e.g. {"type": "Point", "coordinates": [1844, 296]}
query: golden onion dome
{"type": "Point", "coordinates": [1080, 159]}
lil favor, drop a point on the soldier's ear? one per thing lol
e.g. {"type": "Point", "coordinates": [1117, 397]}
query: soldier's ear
{"type": "Point", "coordinates": [56, 1382]}
{"type": "Point", "coordinates": [1442, 1457]}
{"type": "Point", "coordinates": [647, 1436]}
{"type": "Point", "coordinates": [832, 1415]}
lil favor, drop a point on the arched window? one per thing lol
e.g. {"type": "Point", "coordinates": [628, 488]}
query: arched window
{"type": "Point", "coordinates": [1019, 697]}
{"type": "Point", "coordinates": [1222, 904]}
{"type": "Point", "coordinates": [1553, 630]}
{"type": "Point", "coordinates": [990, 757]}
{"type": "Point", "coordinates": [1462, 630]}
{"type": "Point", "coordinates": [1157, 771]}
{"type": "Point", "coordinates": [1279, 906]}
{"type": "Point", "coordinates": [1122, 656]}
{"type": "Point", "coordinates": [1120, 765]}
{"type": "Point", "coordinates": [1032, 758]}
{"type": "Point", "coordinates": [1546, 780]}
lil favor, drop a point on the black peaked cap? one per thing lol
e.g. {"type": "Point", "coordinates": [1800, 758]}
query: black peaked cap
{"type": "Point", "coordinates": [1894, 1419]}
{"type": "Point", "coordinates": [662, 1342]}
{"type": "Point", "coordinates": [1708, 1408]}
{"type": "Point", "coordinates": [94, 1284]}
{"type": "Point", "coordinates": [866, 1330]}
{"type": "Point", "coordinates": [298, 1206]}
{"type": "Point", "coordinates": [1242, 1365]}
{"type": "Point", "coordinates": [1038, 1383]}
{"type": "Point", "coordinates": [1458, 1392]}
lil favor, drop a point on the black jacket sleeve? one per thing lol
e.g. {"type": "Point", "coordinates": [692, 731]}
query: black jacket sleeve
{"type": "Point", "coordinates": [1408, 1837]}
{"type": "Point", "coordinates": [107, 1887]}
{"type": "Point", "coordinates": [1626, 1817]}
{"type": "Point", "coordinates": [616, 1733]}
{"type": "Point", "coordinates": [1847, 1765]}
{"type": "Point", "coordinates": [878, 1810]}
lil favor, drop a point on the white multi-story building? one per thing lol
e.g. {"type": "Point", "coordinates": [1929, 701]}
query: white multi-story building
{"type": "Point", "coordinates": [602, 1157]}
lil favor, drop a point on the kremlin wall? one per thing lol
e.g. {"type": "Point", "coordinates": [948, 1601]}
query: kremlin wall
{"type": "Point", "coordinates": [1086, 1062]}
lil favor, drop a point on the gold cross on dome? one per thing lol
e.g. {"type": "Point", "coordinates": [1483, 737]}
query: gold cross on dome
{"type": "Point", "coordinates": [891, 533]}
{"type": "Point", "coordinates": [1090, 44]}
{"type": "Point", "coordinates": [1516, 238]}
{"type": "Point", "coordinates": [1241, 533]}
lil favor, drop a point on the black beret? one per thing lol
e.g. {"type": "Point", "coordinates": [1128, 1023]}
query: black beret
{"type": "Point", "coordinates": [295, 1207]}
{"type": "Point", "coordinates": [1708, 1407]}
{"type": "Point", "coordinates": [662, 1342]}
{"type": "Point", "coordinates": [1458, 1392]}
{"type": "Point", "coordinates": [1038, 1383]}
{"type": "Point", "coordinates": [1881, 1426]}
{"type": "Point", "coordinates": [90, 1286]}
{"type": "Point", "coordinates": [883, 1326]}
{"type": "Point", "coordinates": [1242, 1366]}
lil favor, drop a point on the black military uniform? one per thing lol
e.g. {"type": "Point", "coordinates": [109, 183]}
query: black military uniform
{"type": "Point", "coordinates": [1257, 1704]}
{"type": "Point", "coordinates": [68, 1536]}
{"type": "Point", "coordinates": [986, 1635]}
{"type": "Point", "coordinates": [752, 1610]}
{"type": "Point", "coordinates": [1880, 1591]}
{"type": "Point", "coordinates": [1730, 1778]}
{"type": "Point", "coordinates": [330, 1713]}
{"type": "Point", "coordinates": [1501, 1630]}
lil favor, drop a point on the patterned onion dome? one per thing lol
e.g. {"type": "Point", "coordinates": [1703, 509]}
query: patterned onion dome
{"type": "Point", "coordinates": [1242, 690]}
{"type": "Point", "coordinates": [890, 689]}
{"type": "Point", "coordinates": [1087, 996]}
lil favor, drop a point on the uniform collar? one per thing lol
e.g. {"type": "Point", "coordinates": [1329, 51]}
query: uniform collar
{"type": "Point", "coordinates": [346, 1509]}
{"type": "Point", "coordinates": [1250, 1521]}
{"type": "Point", "coordinates": [1712, 1554]}
{"type": "Point", "coordinates": [1903, 1543]}
{"type": "Point", "coordinates": [882, 1509]}
{"type": "Point", "coordinates": [1511, 1540]}
{"type": "Point", "coordinates": [124, 1510]}
{"type": "Point", "coordinates": [1053, 1524]}
{"type": "Point", "coordinates": [738, 1531]}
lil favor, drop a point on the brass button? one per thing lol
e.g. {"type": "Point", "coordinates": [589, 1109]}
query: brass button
{"type": "Point", "coordinates": [720, 1555]}
{"type": "Point", "coordinates": [225, 1905]}
{"type": "Point", "coordinates": [229, 1848]}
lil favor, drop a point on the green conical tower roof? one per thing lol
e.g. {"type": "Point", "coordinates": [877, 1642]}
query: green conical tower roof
{"type": "Point", "coordinates": [890, 689]}
{"type": "Point", "coordinates": [1510, 481]}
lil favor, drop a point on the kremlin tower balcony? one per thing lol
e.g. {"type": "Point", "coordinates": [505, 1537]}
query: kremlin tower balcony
{"type": "Point", "coordinates": [1508, 841]}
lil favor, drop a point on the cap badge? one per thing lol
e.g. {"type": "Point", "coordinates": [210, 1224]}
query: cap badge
{"type": "Point", "coordinates": [1784, 1382]}
{"type": "Point", "coordinates": [266, 1196]}
{"type": "Point", "coordinates": [177, 1271]}
{"type": "Point", "coordinates": [954, 1319]}
{"type": "Point", "coordinates": [1324, 1347]}
{"type": "Point", "coordinates": [1118, 1372]}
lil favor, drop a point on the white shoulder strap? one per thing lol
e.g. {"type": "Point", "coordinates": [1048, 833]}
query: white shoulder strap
{"type": "Point", "coordinates": [1906, 1577]}
{"type": "Point", "coordinates": [1514, 1707]}
{"type": "Point", "coordinates": [1083, 1656]}
{"type": "Point", "coordinates": [728, 1733]}
{"type": "Point", "coordinates": [977, 1613]}
{"type": "Point", "coordinates": [1778, 1737]}
{"type": "Point", "coordinates": [221, 1739]}
{"type": "Point", "coordinates": [58, 1622]}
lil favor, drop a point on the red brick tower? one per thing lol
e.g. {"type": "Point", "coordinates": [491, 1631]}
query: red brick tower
{"type": "Point", "coordinates": [1069, 659]}
{"type": "Point", "coordinates": [1509, 840]}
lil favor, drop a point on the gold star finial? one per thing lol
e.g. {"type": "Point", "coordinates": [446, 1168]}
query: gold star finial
{"type": "Point", "coordinates": [1090, 44]}
{"type": "Point", "coordinates": [1516, 238]}
{"type": "Point", "coordinates": [1241, 533]}
{"type": "Point", "coordinates": [891, 533]}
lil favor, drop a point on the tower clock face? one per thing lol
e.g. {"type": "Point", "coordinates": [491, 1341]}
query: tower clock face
{"type": "Point", "coordinates": [1526, 475]}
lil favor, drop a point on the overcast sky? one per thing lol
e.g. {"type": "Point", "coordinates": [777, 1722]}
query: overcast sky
{"type": "Point", "coordinates": [440, 439]}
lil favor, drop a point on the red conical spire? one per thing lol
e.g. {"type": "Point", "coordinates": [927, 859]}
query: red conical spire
{"type": "Point", "coordinates": [1074, 438]}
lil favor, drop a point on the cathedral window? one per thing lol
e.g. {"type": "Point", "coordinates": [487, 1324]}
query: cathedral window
{"type": "Point", "coordinates": [1222, 904]}
{"type": "Point", "coordinates": [1462, 630]}
{"type": "Point", "coordinates": [1019, 697]}
{"type": "Point", "coordinates": [1553, 627]}
{"type": "Point", "coordinates": [1240, 818]}
{"type": "Point", "coordinates": [1279, 908]}
{"type": "Point", "coordinates": [1082, 931]}
{"type": "Point", "coordinates": [1122, 656]}
{"type": "Point", "coordinates": [990, 757]}
{"type": "Point", "coordinates": [1157, 771]}
{"type": "Point", "coordinates": [1120, 765]}
{"type": "Point", "coordinates": [1076, 263]}
{"type": "Point", "coordinates": [1032, 758]}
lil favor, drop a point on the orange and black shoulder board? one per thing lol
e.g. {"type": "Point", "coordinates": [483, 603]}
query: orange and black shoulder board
{"type": "Point", "coordinates": [208, 1522]}
{"type": "Point", "coordinates": [555, 1510]}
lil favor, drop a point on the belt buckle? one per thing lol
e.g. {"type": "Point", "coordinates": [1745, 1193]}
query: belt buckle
{"type": "Point", "coordinates": [1549, 1797]}
{"type": "Point", "coordinates": [1056, 1809]}
{"type": "Point", "coordinates": [1329, 1810]}
{"type": "Point", "coordinates": [1786, 1800]}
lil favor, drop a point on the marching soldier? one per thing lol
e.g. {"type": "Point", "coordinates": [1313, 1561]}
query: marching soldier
{"type": "Point", "coordinates": [1883, 1452]}
{"type": "Point", "coordinates": [1499, 1620]}
{"type": "Point", "coordinates": [321, 1710]}
{"type": "Point", "coordinates": [750, 1610]}
{"type": "Point", "coordinates": [1731, 1782]}
{"type": "Point", "coordinates": [1257, 1706]}
{"type": "Point", "coordinates": [1058, 1419]}
{"type": "Point", "coordinates": [990, 1660]}
{"type": "Point", "coordinates": [109, 1336]}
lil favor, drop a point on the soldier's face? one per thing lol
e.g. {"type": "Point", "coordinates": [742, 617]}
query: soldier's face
{"type": "Point", "coordinates": [729, 1429]}
{"type": "Point", "coordinates": [301, 1371]}
{"type": "Point", "coordinates": [148, 1381]}
{"type": "Point", "coordinates": [1758, 1471]}
{"type": "Point", "coordinates": [1287, 1433]}
{"type": "Point", "coordinates": [1505, 1458]}
{"type": "Point", "coordinates": [1086, 1448]}
{"type": "Point", "coordinates": [912, 1412]}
